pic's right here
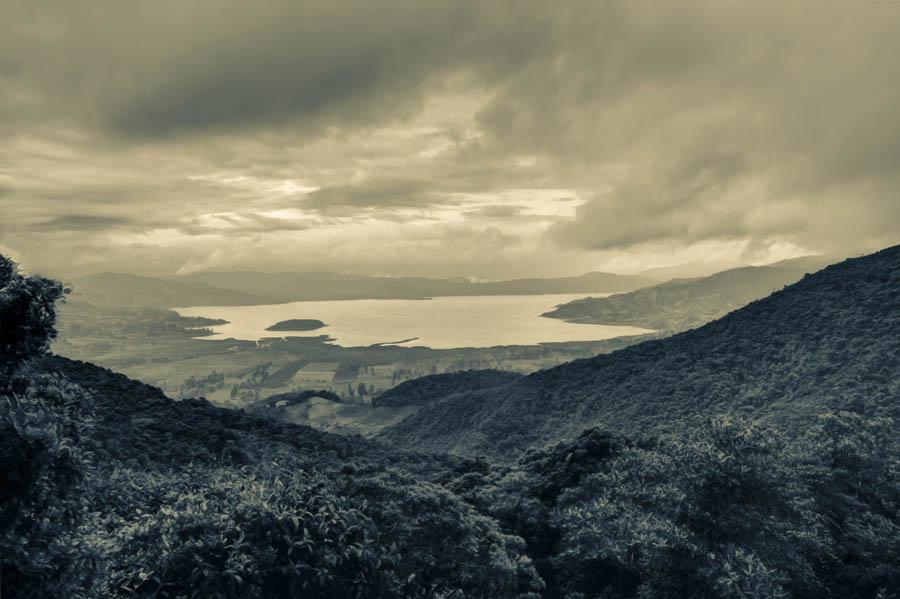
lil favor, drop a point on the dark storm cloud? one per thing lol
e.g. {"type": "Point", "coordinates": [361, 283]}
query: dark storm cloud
{"type": "Point", "coordinates": [162, 69]}
{"type": "Point", "coordinates": [679, 123]}
{"type": "Point", "coordinates": [304, 63]}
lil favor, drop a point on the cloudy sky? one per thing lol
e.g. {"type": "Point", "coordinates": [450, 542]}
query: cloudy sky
{"type": "Point", "coordinates": [487, 139]}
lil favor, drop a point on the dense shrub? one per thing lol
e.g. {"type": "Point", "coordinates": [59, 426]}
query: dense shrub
{"type": "Point", "coordinates": [719, 514]}
{"type": "Point", "coordinates": [447, 548]}
{"type": "Point", "coordinates": [729, 509]}
{"type": "Point", "coordinates": [853, 470]}
{"type": "Point", "coordinates": [269, 532]}
{"type": "Point", "coordinates": [44, 445]}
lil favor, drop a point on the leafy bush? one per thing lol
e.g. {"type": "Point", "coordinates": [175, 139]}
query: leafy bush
{"type": "Point", "coordinates": [728, 510]}
{"type": "Point", "coordinates": [447, 547]}
{"type": "Point", "coordinates": [44, 444]}
{"type": "Point", "coordinates": [718, 514]}
{"type": "Point", "coordinates": [853, 472]}
{"type": "Point", "coordinates": [219, 532]}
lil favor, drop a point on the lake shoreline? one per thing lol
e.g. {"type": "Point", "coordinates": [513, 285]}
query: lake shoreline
{"type": "Point", "coordinates": [440, 323]}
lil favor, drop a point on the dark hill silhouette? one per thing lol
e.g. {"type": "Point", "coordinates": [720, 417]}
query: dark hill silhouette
{"type": "Point", "coordinates": [438, 386]}
{"type": "Point", "coordinates": [830, 341]}
{"type": "Point", "coordinates": [138, 424]}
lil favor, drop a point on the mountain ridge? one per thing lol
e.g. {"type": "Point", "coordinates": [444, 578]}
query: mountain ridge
{"type": "Point", "coordinates": [248, 288]}
{"type": "Point", "coordinates": [685, 303]}
{"type": "Point", "coordinates": [784, 358]}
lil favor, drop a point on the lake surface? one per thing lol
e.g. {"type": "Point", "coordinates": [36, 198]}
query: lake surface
{"type": "Point", "coordinates": [440, 322]}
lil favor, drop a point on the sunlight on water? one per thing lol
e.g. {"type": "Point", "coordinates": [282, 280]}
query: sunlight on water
{"type": "Point", "coordinates": [441, 322]}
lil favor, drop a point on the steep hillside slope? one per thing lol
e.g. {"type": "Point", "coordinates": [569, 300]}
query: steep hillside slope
{"type": "Point", "coordinates": [683, 304]}
{"type": "Point", "coordinates": [437, 386]}
{"type": "Point", "coordinates": [137, 423]}
{"type": "Point", "coordinates": [829, 341]}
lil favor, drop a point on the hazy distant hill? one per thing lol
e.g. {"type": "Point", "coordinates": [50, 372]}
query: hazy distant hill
{"type": "Point", "coordinates": [325, 285]}
{"type": "Point", "coordinates": [120, 289]}
{"type": "Point", "coordinates": [682, 304]}
{"type": "Point", "coordinates": [245, 288]}
{"type": "Point", "coordinates": [831, 340]}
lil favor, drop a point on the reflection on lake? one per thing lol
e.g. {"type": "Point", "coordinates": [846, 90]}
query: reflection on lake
{"type": "Point", "coordinates": [441, 322]}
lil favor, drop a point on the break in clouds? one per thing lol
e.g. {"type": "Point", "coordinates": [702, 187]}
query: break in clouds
{"type": "Point", "coordinates": [488, 139]}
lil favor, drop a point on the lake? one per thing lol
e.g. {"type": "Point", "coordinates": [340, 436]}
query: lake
{"type": "Point", "coordinates": [439, 323]}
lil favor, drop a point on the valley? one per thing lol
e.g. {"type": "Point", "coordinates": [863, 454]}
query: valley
{"type": "Point", "coordinates": [766, 437]}
{"type": "Point", "coordinates": [184, 357]}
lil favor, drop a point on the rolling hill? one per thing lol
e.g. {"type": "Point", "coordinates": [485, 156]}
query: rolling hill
{"type": "Point", "coordinates": [111, 289]}
{"type": "Point", "coordinates": [829, 341]}
{"type": "Point", "coordinates": [682, 304]}
{"type": "Point", "coordinates": [248, 288]}
{"type": "Point", "coordinates": [437, 386]}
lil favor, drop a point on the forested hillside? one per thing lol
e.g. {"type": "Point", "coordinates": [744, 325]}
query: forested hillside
{"type": "Point", "coordinates": [110, 489]}
{"type": "Point", "coordinates": [828, 342]}
{"type": "Point", "coordinates": [137, 495]}
{"type": "Point", "coordinates": [682, 304]}
{"type": "Point", "coordinates": [437, 386]}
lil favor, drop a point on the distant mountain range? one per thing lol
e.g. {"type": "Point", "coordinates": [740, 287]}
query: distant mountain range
{"type": "Point", "coordinates": [249, 288]}
{"type": "Point", "coordinates": [126, 290]}
{"type": "Point", "coordinates": [830, 341]}
{"type": "Point", "coordinates": [682, 304]}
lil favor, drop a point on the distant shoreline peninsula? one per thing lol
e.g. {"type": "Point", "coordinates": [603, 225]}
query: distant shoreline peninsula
{"type": "Point", "coordinates": [297, 324]}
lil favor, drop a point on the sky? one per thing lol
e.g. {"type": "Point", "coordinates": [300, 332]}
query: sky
{"type": "Point", "coordinates": [486, 139]}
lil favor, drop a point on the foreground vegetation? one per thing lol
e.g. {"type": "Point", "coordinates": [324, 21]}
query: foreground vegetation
{"type": "Point", "coordinates": [111, 489]}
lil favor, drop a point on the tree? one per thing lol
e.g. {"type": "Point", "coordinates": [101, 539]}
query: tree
{"type": "Point", "coordinates": [27, 315]}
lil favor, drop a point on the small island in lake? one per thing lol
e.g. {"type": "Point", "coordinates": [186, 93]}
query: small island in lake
{"type": "Point", "coordinates": [297, 324]}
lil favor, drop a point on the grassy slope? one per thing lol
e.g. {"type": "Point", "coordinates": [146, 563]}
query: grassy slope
{"type": "Point", "coordinates": [830, 340]}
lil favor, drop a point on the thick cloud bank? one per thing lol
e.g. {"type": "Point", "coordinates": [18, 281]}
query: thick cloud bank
{"type": "Point", "coordinates": [456, 138]}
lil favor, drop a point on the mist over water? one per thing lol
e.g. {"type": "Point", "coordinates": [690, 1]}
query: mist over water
{"type": "Point", "coordinates": [439, 323]}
